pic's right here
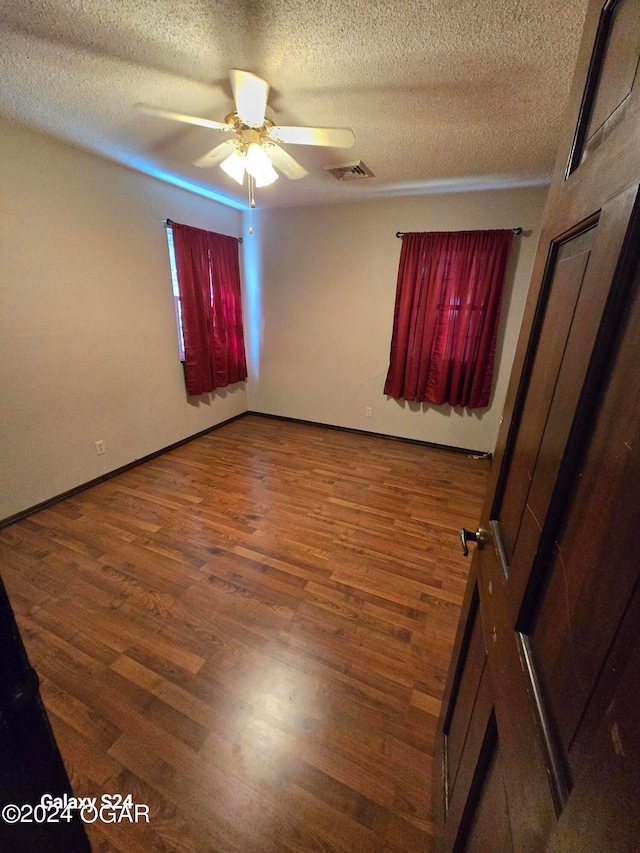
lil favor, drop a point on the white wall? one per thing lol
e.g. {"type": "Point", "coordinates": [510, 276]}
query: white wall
{"type": "Point", "coordinates": [88, 345]}
{"type": "Point", "coordinates": [326, 279]}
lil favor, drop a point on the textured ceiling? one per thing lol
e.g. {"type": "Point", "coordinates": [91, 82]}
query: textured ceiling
{"type": "Point", "coordinates": [447, 93]}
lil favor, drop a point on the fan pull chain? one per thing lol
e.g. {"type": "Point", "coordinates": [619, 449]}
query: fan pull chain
{"type": "Point", "coordinates": [252, 201]}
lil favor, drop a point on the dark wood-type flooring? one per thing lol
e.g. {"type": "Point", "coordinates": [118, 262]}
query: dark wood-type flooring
{"type": "Point", "coordinates": [251, 634]}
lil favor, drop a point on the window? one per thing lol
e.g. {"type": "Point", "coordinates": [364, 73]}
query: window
{"type": "Point", "coordinates": [446, 316]}
{"type": "Point", "coordinates": [176, 292]}
{"type": "Point", "coordinates": [209, 307]}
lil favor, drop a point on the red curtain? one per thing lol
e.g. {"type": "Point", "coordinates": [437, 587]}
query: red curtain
{"type": "Point", "coordinates": [446, 316]}
{"type": "Point", "coordinates": [209, 282]}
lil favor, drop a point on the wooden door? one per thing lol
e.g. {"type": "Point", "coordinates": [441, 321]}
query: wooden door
{"type": "Point", "coordinates": [30, 763]}
{"type": "Point", "coordinates": [538, 747]}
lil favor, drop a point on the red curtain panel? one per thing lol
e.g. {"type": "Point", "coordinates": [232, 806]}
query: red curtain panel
{"type": "Point", "coordinates": [209, 282]}
{"type": "Point", "coordinates": [446, 316]}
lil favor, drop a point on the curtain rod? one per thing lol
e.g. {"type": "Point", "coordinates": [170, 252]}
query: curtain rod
{"type": "Point", "coordinates": [169, 222]}
{"type": "Point", "coordinates": [516, 232]}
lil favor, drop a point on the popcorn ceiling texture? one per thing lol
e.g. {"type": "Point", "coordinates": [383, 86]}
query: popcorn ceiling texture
{"type": "Point", "coordinates": [448, 93]}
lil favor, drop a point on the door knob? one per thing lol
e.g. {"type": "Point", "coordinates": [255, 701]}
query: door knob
{"type": "Point", "coordinates": [480, 537]}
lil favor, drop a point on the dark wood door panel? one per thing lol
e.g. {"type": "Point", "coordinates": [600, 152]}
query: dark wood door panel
{"type": "Point", "coordinates": [490, 828]}
{"type": "Point", "coordinates": [627, 636]}
{"type": "Point", "coordinates": [564, 288]}
{"type": "Point", "coordinates": [532, 806]}
{"type": "Point", "coordinates": [616, 74]}
{"type": "Point", "coordinates": [593, 577]}
{"type": "Point", "coordinates": [603, 814]}
{"type": "Point", "coordinates": [463, 702]}
{"type": "Point", "coordinates": [476, 755]}
{"type": "Point", "coordinates": [605, 279]}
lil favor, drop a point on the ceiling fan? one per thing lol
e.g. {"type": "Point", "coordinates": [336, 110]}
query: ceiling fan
{"type": "Point", "coordinates": [253, 148]}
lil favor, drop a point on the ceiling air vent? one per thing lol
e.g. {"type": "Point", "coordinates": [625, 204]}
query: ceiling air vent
{"type": "Point", "coordinates": [350, 171]}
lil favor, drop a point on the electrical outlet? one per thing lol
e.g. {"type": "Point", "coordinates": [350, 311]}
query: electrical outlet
{"type": "Point", "coordinates": [100, 448]}
{"type": "Point", "coordinates": [367, 412]}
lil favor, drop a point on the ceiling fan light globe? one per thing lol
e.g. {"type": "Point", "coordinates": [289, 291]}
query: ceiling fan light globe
{"type": "Point", "coordinates": [234, 166]}
{"type": "Point", "coordinates": [257, 160]}
{"type": "Point", "coordinates": [267, 177]}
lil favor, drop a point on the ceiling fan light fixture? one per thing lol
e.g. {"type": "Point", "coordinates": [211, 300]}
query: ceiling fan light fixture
{"type": "Point", "coordinates": [257, 162]}
{"type": "Point", "coordinates": [256, 136]}
{"type": "Point", "coordinates": [234, 166]}
{"type": "Point", "coordinates": [267, 177]}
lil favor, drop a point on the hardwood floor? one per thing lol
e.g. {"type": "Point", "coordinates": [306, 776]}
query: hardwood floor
{"type": "Point", "coordinates": [251, 635]}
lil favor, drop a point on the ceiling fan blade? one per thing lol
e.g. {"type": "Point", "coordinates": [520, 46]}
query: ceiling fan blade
{"type": "Point", "coordinates": [217, 154]}
{"type": "Point", "coordinates": [331, 137]}
{"type": "Point", "coordinates": [285, 162]}
{"type": "Point", "coordinates": [201, 122]}
{"type": "Point", "coordinates": [250, 93]}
